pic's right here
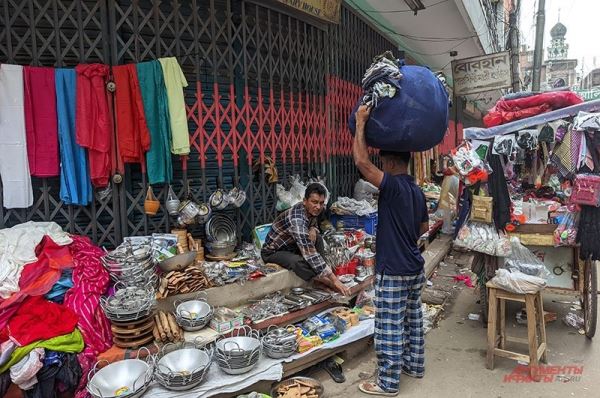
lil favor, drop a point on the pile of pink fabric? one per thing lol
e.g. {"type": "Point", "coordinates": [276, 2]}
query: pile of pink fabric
{"type": "Point", "coordinates": [90, 280]}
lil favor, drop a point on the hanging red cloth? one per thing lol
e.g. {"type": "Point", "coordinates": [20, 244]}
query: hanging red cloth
{"type": "Point", "coordinates": [40, 319]}
{"type": "Point", "coordinates": [133, 136]}
{"type": "Point", "coordinates": [93, 120]}
{"type": "Point", "coordinates": [41, 121]}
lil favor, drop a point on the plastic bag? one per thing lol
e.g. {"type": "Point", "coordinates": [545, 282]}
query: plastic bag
{"type": "Point", "coordinates": [483, 238]}
{"type": "Point", "coordinates": [524, 261]}
{"type": "Point", "coordinates": [517, 282]}
{"type": "Point", "coordinates": [566, 232]}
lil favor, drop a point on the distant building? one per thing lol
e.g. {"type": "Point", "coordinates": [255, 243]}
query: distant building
{"type": "Point", "coordinates": [560, 71]}
{"type": "Point", "coordinates": [591, 80]}
{"type": "Point", "coordinates": [526, 68]}
{"type": "Point", "coordinates": [557, 70]}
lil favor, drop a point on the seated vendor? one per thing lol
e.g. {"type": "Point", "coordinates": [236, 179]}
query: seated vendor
{"type": "Point", "coordinates": [295, 244]}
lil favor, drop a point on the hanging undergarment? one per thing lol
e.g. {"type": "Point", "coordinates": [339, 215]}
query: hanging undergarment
{"type": "Point", "coordinates": [93, 120]}
{"type": "Point", "coordinates": [40, 121]}
{"type": "Point", "coordinates": [17, 192]}
{"type": "Point", "coordinates": [75, 184]}
{"type": "Point", "coordinates": [133, 137]}
{"type": "Point", "coordinates": [156, 108]}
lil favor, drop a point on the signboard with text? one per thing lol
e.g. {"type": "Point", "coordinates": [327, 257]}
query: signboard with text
{"type": "Point", "coordinates": [327, 10]}
{"type": "Point", "coordinates": [479, 74]}
{"type": "Point", "coordinates": [589, 95]}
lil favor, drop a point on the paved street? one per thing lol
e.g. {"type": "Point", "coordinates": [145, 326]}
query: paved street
{"type": "Point", "coordinates": [455, 364]}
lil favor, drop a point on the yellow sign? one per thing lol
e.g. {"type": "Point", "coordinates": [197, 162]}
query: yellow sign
{"type": "Point", "coordinates": [327, 10]}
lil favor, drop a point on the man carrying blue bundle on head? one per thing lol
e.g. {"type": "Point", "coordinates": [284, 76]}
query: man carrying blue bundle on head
{"type": "Point", "coordinates": [402, 219]}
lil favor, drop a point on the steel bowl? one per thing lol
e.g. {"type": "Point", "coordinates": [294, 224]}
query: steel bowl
{"type": "Point", "coordinates": [193, 309]}
{"type": "Point", "coordinates": [178, 262]}
{"type": "Point", "coordinates": [184, 362]}
{"type": "Point", "coordinates": [239, 345]}
{"type": "Point", "coordinates": [221, 249]}
{"type": "Point", "coordinates": [129, 377]}
{"type": "Point", "coordinates": [193, 325]}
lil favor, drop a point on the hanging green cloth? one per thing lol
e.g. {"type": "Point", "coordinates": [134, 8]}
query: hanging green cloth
{"type": "Point", "coordinates": [156, 108]}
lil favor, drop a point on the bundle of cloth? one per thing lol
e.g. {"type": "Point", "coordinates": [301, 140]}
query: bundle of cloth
{"type": "Point", "coordinates": [409, 106]}
{"type": "Point", "coordinates": [517, 107]}
{"type": "Point", "coordinates": [46, 346]}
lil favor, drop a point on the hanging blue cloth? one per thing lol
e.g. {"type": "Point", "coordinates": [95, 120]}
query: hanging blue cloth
{"type": "Point", "coordinates": [154, 96]}
{"type": "Point", "coordinates": [75, 183]}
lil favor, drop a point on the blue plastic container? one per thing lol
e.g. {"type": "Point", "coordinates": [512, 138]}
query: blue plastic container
{"type": "Point", "coordinates": [367, 223]}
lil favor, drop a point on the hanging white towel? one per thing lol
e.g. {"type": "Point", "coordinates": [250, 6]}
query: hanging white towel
{"type": "Point", "coordinates": [14, 166]}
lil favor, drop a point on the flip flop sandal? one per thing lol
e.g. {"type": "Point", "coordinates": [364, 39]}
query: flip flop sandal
{"type": "Point", "coordinates": [334, 370]}
{"type": "Point", "coordinates": [371, 388]}
{"type": "Point", "coordinates": [413, 375]}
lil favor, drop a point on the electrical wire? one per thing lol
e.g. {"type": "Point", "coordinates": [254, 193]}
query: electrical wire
{"type": "Point", "coordinates": [400, 11]}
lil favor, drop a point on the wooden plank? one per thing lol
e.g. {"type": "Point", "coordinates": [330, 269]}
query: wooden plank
{"type": "Point", "coordinates": [511, 355]}
{"type": "Point", "coordinates": [531, 330]}
{"type": "Point", "coordinates": [517, 340]}
{"type": "Point", "coordinates": [541, 351]}
{"type": "Point", "coordinates": [492, 328]}
{"type": "Point", "coordinates": [435, 253]}
{"type": "Point", "coordinates": [290, 368]}
{"type": "Point", "coordinates": [542, 229]}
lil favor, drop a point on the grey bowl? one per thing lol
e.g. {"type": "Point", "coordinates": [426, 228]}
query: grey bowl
{"type": "Point", "coordinates": [178, 262]}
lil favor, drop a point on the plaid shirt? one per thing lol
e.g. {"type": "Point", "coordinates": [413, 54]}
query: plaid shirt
{"type": "Point", "coordinates": [289, 232]}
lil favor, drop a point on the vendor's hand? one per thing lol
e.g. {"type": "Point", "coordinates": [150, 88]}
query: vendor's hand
{"type": "Point", "coordinates": [340, 287]}
{"type": "Point", "coordinates": [312, 234]}
{"type": "Point", "coordinates": [362, 115]}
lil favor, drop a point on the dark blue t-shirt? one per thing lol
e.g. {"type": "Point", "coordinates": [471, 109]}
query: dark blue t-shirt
{"type": "Point", "coordinates": [402, 210]}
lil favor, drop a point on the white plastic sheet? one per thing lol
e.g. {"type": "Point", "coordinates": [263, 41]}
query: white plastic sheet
{"type": "Point", "coordinates": [486, 133]}
{"type": "Point", "coordinates": [218, 382]}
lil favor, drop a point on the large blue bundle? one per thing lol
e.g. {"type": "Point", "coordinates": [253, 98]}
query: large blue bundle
{"type": "Point", "coordinates": [414, 120]}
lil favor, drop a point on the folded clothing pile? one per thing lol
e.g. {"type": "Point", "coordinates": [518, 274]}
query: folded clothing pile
{"type": "Point", "coordinates": [381, 79]}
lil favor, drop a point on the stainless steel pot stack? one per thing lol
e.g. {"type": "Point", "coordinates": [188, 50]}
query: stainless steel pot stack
{"type": "Point", "coordinates": [183, 367]}
{"type": "Point", "coordinates": [132, 265]}
{"type": "Point", "coordinates": [221, 235]}
{"type": "Point", "coordinates": [240, 353]}
{"type": "Point", "coordinates": [195, 314]}
{"type": "Point", "coordinates": [280, 342]}
{"type": "Point", "coordinates": [129, 377]}
{"type": "Point", "coordinates": [129, 303]}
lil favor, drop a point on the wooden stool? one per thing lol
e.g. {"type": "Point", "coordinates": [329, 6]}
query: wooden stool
{"type": "Point", "coordinates": [536, 328]}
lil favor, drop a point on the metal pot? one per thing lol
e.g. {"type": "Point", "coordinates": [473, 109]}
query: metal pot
{"type": "Point", "coordinates": [172, 203]}
{"type": "Point", "coordinates": [129, 377]}
{"type": "Point", "coordinates": [188, 210]}
{"type": "Point", "coordinates": [219, 200]}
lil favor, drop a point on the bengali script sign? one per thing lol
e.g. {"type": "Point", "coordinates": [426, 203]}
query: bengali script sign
{"type": "Point", "coordinates": [589, 95]}
{"type": "Point", "coordinates": [479, 74]}
{"type": "Point", "coordinates": [327, 10]}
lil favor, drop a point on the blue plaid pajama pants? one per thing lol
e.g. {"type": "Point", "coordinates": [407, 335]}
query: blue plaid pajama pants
{"type": "Point", "coordinates": [399, 337]}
